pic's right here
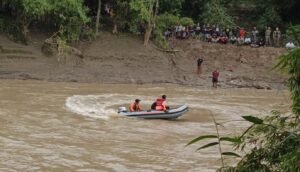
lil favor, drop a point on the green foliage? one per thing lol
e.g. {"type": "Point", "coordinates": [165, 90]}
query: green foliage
{"type": "Point", "coordinates": [294, 33]}
{"type": "Point", "coordinates": [201, 138]}
{"type": "Point", "coordinates": [215, 14]}
{"type": "Point", "coordinates": [71, 14]}
{"type": "Point", "coordinates": [166, 21]}
{"type": "Point", "coordinates": [159, 38]}
{"type": "Point", "coordinates": [253, 119]}
{"type": "Point", "coordinates": [274, 143]}
{"type": "Point", "coordinates": [193, 9]}
{"type": "Point", "coordinates": [270, 17]}
{"type": "Point", "coordinates": [14, 32]}
{"type": "Point", "coordinates": [185, 21]}
{"type": "Point", "coordinates": [290, 63]}
{"type": "Point", "coordinates": [218, 141]}
{"type": "Point", "coordinates": [171, 6]}
{"type": "Point", "coordinates": [123, 16]}
{"type": "Point", "coordinates": [33, 9]}
{"type": "Point", "coordinates": [230, 154]}
{"type": "Point", "coordinates": [142, 10]}
{"type": "Point", "coordinates": [208, 145]}
{"type": "Point", "coordinates": [136, 15]}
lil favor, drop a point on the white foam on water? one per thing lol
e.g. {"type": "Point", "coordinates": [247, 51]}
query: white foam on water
{"type": "Point", "coordinates": [101, 106]}
{"type": "Point", "coordinates": [95, 106]}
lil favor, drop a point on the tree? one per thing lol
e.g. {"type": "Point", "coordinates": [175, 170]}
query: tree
{"type": "Point", "coordinates": [215, 13]}
{"type": "Point", "coordinates": [170, 6]}
{"type": "Point", "coordinates": [26, 11]}
{"type": "Point", "coordinates": [98, 16]}
{"type": "Point", "coordinates": [67, 14]}
{"type": "Point", "coordinates": [145, 13]}
{"type": "Point", "coordinates": [193, 9]}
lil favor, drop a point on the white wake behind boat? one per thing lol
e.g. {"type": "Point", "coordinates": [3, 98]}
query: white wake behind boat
{"type": "Point", "coordinates": [154, 114]}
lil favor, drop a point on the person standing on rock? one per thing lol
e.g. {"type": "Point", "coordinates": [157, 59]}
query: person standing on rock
{"type": "Point", "coordinates": [215, 78]}
{"type": "Point", "coordinates": [199, 65]}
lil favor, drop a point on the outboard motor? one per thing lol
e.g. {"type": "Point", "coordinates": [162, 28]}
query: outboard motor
{"type": "Point", "coordinates": [122, 109]}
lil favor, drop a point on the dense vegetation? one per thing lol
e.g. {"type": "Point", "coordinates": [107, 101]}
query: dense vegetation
{"type": "Point", "coordinates": [74, 19]}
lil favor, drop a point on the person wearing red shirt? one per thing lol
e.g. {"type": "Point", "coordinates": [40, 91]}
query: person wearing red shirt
{"type": "Point", "coordinates": [242, 33]}
{"type": "Point", "coordinates": [215, 78]}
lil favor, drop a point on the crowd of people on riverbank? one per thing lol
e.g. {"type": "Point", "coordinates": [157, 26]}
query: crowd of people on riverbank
{"type": "Point", "coordinates": [235, 36]}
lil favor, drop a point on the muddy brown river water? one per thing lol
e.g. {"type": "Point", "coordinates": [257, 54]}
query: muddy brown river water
{"type": "Point", "coordinates": [48, 126]}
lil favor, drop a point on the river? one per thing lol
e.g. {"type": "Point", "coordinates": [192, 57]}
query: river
{"type": "Point", "coordinates": [49, 126]}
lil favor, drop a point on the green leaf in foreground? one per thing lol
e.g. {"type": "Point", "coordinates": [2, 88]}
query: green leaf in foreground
{"type": "Point", "coordinates": [253, 119]}
{"type": "Point", "coordinates": [230, 154]}
{"type": "Point", "coordinates": [230, 139]}
{"type": "Point", "coordinates": [208, 145]}
{"type": "Point", "coordinates": [201, 138]}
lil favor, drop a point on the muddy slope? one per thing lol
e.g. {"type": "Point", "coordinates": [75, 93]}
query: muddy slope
{"type": "Point", "coordinates": [123, 59]}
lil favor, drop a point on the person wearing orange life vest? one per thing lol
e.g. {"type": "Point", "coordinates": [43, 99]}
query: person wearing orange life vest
{"type": "Point", "coordinates": [161, 104]}
{"type": "Point", "coordinates": [135, 106]}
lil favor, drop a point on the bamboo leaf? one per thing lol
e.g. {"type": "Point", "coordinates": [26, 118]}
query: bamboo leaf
{"type": "Point", "coordinates": [246, 131]}
{"type": "Point", "coordinates": [201, 138]}
{"type": "Point", "coordinates": [230, 139]}
{"type": "Point", "coordinates": [230, 154]}
{"type": "Point", "coordinates": [208, 145]}
{"type": "Point", "coordinates": [253, 119]}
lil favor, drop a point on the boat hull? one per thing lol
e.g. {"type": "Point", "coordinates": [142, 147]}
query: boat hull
{"type": "Point", "coordinates": [153, 114]}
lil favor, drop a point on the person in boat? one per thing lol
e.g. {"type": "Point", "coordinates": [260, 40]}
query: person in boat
{"type": "Point", "coordinates": [135, 106]}
{"type": "Point", "coordinates": [161, 104]}
{"type": "Point", "coordinates": [153, 106]}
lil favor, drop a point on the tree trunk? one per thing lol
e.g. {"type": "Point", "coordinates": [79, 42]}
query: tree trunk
{"type": "Point", "coordinates": [147, 34]}
{"type": "Point", "coordinates": [151, 23]}
{"type": "Point", "coordinates": [115, 29]}
{"type": "Point", "coordinates": [98, 16]}
{"type": "Point", "coordinates": [26, 33]}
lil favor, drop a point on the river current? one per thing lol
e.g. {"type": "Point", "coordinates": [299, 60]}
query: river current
{"type": "Point", "coordinates": [48, 126]}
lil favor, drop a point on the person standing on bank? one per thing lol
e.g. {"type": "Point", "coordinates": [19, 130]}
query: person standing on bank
{"type": "Point", "coordinates": [215, 78]}
{"type": "Point", "coordinates": [268, 36]}
{"type": "Point", "coordinates": [199, 65]}
{"type": "Point", "coordinates": [254, 35]}
{"type": "Point", "coordinates": [276, 37]}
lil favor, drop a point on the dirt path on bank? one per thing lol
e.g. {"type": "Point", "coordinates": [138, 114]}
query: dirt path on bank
{"type": "Point", "coordinates": [124, 59]}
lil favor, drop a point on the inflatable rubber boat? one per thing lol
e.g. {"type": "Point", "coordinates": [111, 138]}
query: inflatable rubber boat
{"type": "Point", "coordinates": [153, 114]}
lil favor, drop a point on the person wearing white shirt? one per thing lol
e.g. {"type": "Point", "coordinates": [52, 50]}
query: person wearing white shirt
{"type": "Point", "coordinates": [290, 45]}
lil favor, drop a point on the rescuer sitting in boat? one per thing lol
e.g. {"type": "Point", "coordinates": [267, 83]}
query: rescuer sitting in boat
{"type": "Point", "coordinates": [161, 104]}
{"type": "Point", "coordinates": [135, 106]}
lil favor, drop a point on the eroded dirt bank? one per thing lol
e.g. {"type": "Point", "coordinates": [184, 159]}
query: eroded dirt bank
{"type": "Point", "coordinates": [123, 59]}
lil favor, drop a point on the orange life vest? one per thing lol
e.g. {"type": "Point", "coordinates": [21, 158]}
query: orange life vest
{"type": "Point", "coordinates": [134, 107]}
{"type": "Point", "coordinates": [160, 104]}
